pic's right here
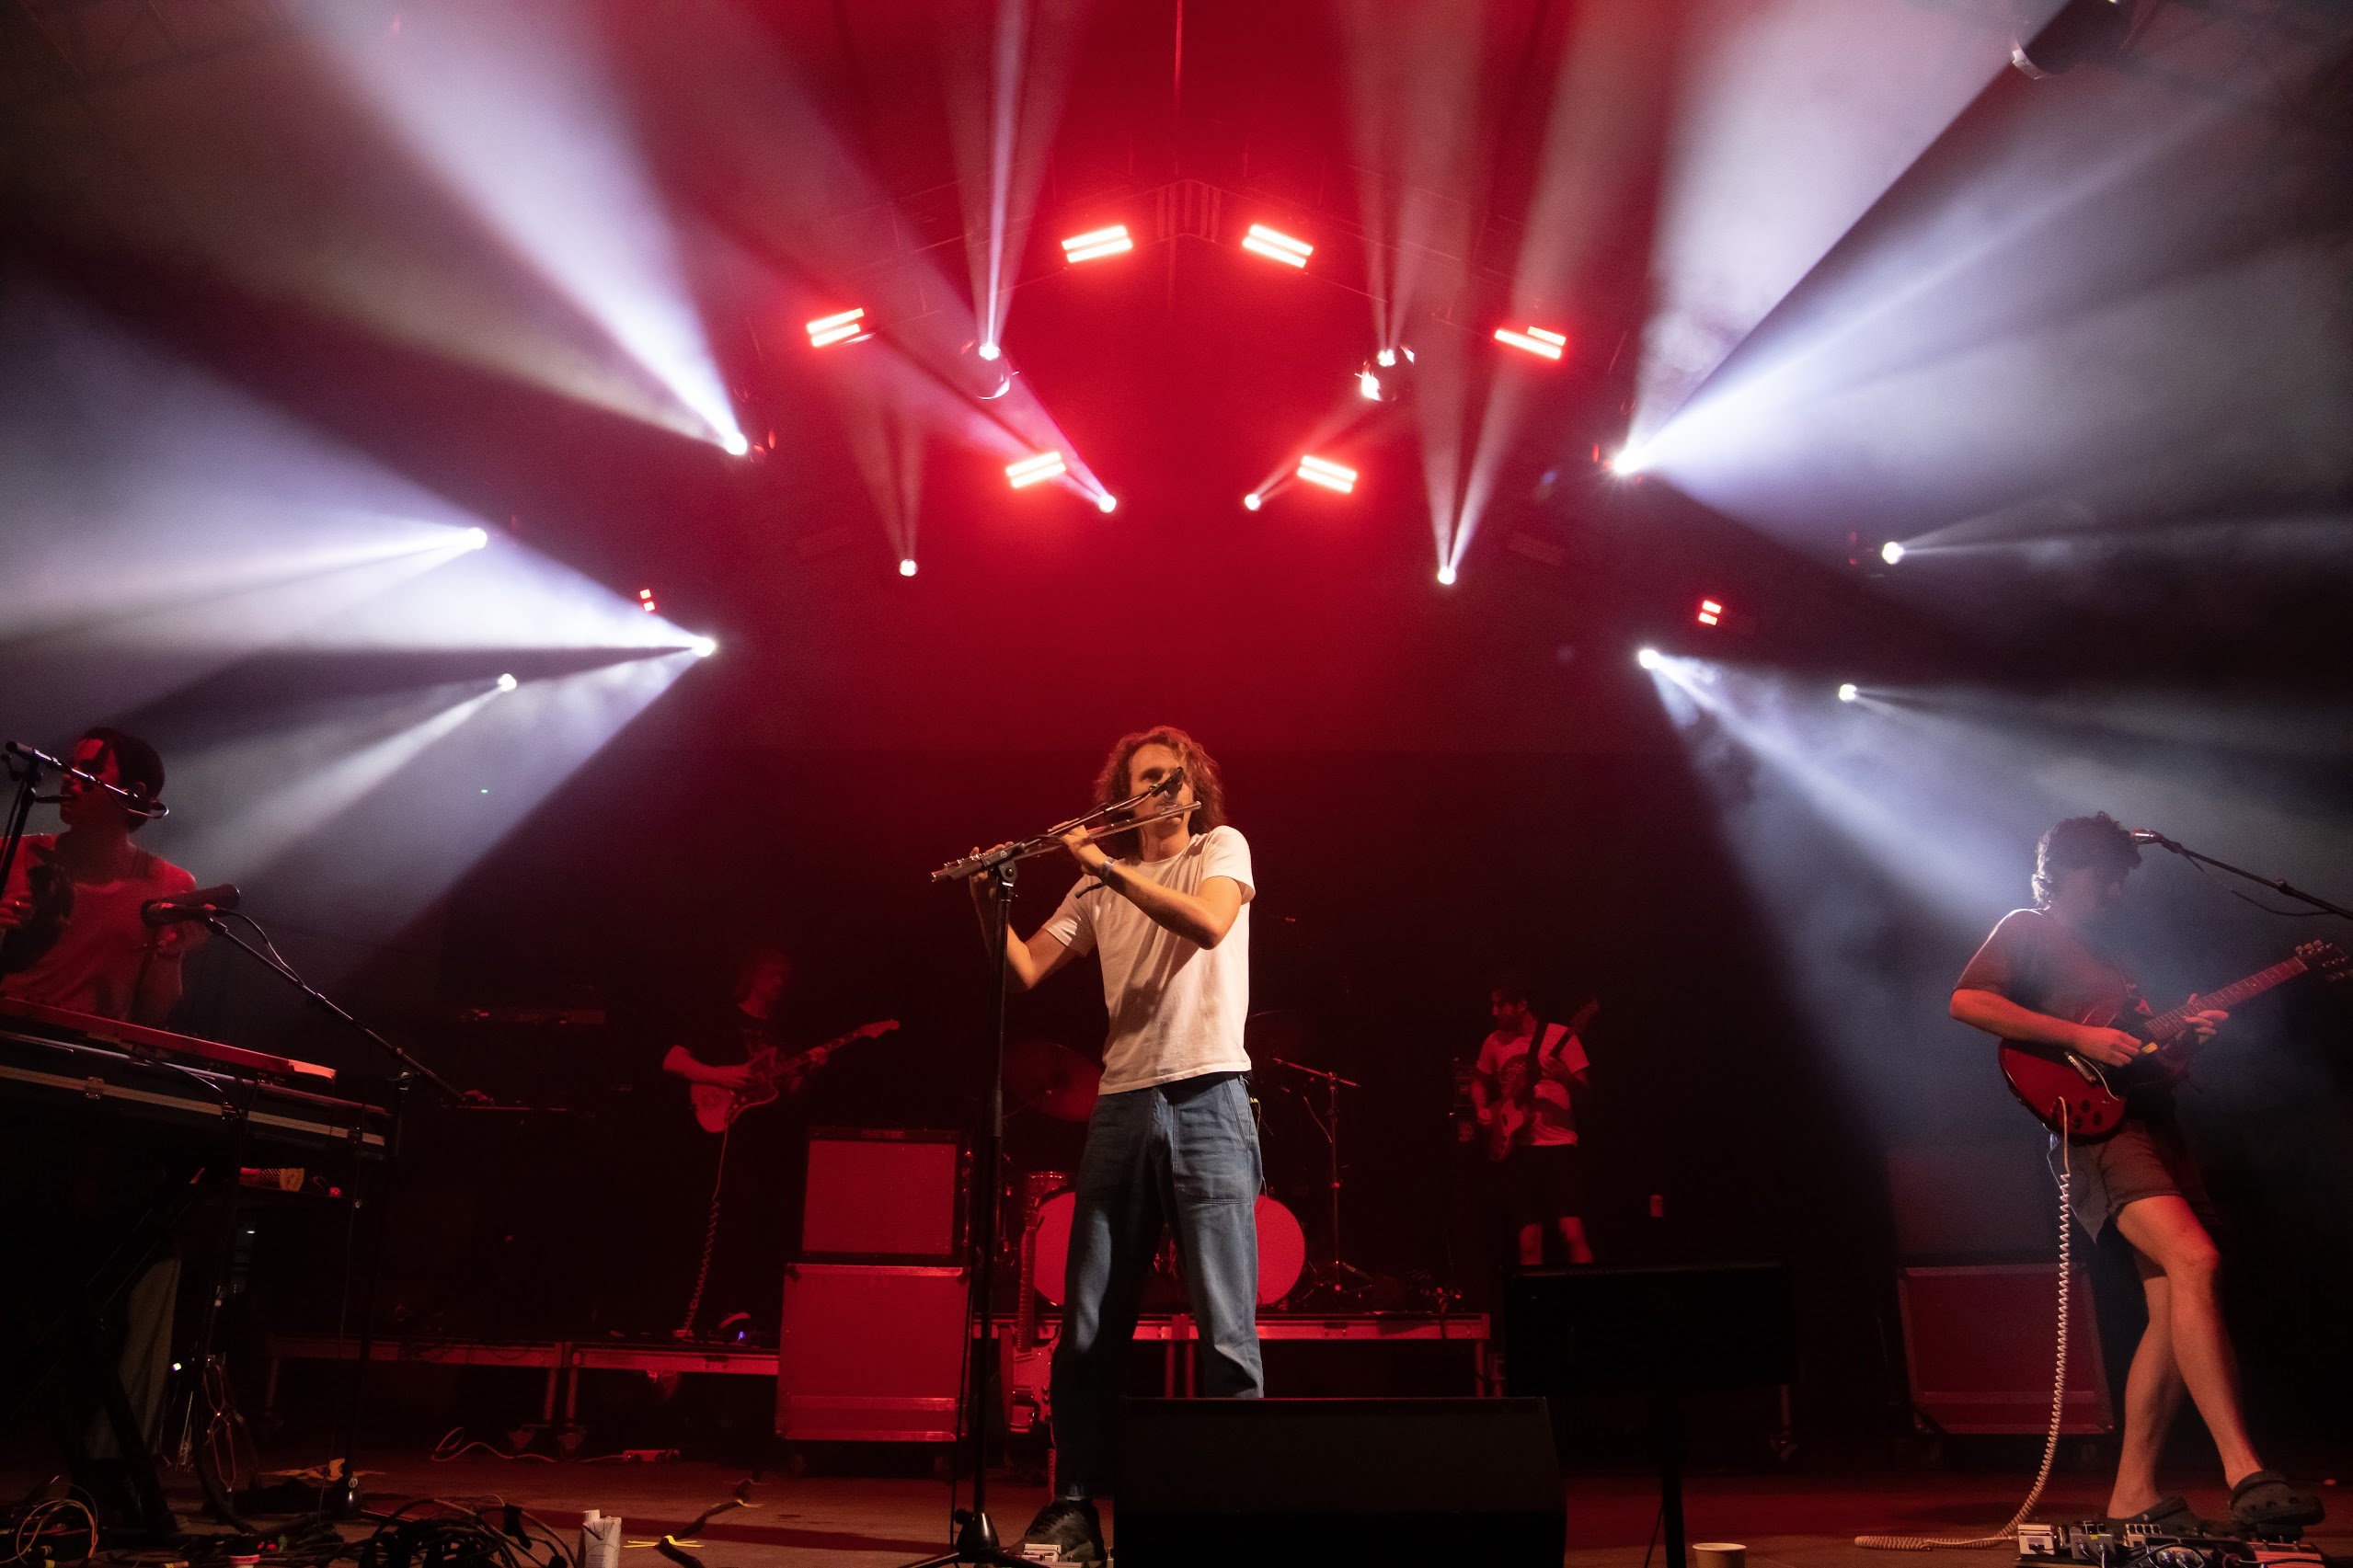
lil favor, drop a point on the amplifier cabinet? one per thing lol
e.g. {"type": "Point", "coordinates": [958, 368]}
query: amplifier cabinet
{"type": "Point", "coordinates": [882, 1195]}
{"type": "Point", "coordinates": [1980, 1342]}
{"type": "Point", "coordinates": [871, 1352]}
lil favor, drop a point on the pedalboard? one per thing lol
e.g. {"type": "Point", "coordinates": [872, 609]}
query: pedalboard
{"type": "Point", "coordinates": [2106, 1545]}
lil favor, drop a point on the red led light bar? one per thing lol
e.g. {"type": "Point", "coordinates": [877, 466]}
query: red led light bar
{"type": "Point", "coordinates": [1277, 246]}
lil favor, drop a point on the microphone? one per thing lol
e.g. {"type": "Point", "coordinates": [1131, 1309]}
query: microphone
{"type": "Point", "coordinates": [201, 903]}
{"type": "Point", "coordinates": [1171, 784]}
{"type": "Point", "coordinates": [2148, 836]}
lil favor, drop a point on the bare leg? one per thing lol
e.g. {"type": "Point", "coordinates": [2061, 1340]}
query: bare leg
{"type": "Point", "coordinates": [2165, 1231]}
{"type": "Point", "coordinates": [2152, 1399]}
{"type": "Point", "coordinates": [1572, 1235]}
{"type": "Point", "coordinates": [1532, 1246]}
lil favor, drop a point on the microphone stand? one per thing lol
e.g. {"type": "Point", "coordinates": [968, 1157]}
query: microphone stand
{"type": "Point", "coordinates": [2275, 883]}
{"type": "Point", "coordinates": [1340, 1276]}
{"type": "Point", "coordinates": [344, 1502]}
{"type": "Point", "coordinates": [976, 1534]}
{"type": "Point", "coordinates": [20, 808]}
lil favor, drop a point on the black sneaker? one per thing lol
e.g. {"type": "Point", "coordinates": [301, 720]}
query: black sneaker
{"type": "Point", "coordinates": [1065, 1530]}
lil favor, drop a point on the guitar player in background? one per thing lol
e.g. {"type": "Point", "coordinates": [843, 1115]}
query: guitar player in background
{"type": "Point", "coordinates": [2041, 971]}
{"type": "Point", "coordinates": [1530, 1074]}
{"type": "Point", "coordinates": [742, 1241]}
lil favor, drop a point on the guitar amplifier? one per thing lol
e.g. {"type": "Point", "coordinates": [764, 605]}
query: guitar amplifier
{"type": "Point", "coordinates": [883, 1195]}
{"type": "Point", "coordinates": [1978, 1346]}
{"type": "Point", "coordinates": [871, 1354]}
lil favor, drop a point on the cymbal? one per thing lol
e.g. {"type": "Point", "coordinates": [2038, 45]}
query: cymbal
{"type": "Point", "coordinates": [1051, 1079]}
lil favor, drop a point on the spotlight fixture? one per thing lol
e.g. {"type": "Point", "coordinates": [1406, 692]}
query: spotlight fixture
{"type": "Point", "coordinates": [646, 601]}
{"type": "Point", "coordinates": [1542, 342]}
{"type": "Point", "coordinates": [1107, 503]}
{"type": "Point", "coordinates": [1031, 470]}
{"type": "Point", "coordinates": [1330, 474]}
{"type": "Point", "coordinates": [1891, 552]}
{"type": "Point", "coordinates": [1711, 613]}
{"type": "Point", "coordinates": [1253, 501]}
{"type": "Point", "coordinates": [507, 682]}
{"type": "Point", "coordinates": [1277, 246]}
{"type": "Point", "coordinates": [1446, 576]}
{"type": "Point", "coordinates": [1095, 243]}
{"type": "Point", "coordinates": [1629, 461]}
{"type": "Point", "coordinates": [2083, 32]}
{"type": "Point", "coordinates": [704, 647]}
{"type": "Point", "coordinates": [1385, 376]}
{"type": "Point", "coordinates": [988, 350]}
{"type": "Point", "coordinates": [1847, 694]}
{"type": "Point", "coordinates": [907, 568]}
{"type": "Point", "coordinates": [734, 444]}
{"type": "Point", "coordinates": [987, 373]}
{"type": "Point", "coordinates": [846, 327]}
{"type": "Point", "coordinates": [476, 539]}
{"type": "Point", "coordinates": [1649, 658]}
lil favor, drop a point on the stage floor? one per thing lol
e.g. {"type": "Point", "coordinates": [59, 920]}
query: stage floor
{"type": "Point", "coordinates": [1788, 1520]}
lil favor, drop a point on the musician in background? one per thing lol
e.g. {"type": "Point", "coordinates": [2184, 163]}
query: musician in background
{"type": "Point", "coordinates": [2040, 971]}
{"type": "Point", "coordinates": [737, 1287]}
{"type": "Point", "coordinates": [1523, 1087]}
{"type": "Point", "coordinates": [71, 934]}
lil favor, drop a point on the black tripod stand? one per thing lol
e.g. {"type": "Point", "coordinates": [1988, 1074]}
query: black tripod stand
{"type": "Point", "coordinates": [976, 1533]}
{"type": "Point", "coordinates": [1334, 1278]}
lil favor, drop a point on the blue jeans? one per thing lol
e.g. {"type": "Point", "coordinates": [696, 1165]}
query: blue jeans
{"type": "Point", "coordinates": [1183, 1154]}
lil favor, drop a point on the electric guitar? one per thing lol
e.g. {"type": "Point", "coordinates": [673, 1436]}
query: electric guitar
{"type": "Point", "coordinates": [1515, 1110]}
{"type": "Point", "coordinates": [773, 1072]}
{"type": "Point", "coordinates": [2079, 1098]}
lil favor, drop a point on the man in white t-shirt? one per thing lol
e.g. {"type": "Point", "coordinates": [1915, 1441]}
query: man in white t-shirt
{"type": "Point", "coordinates": [1172, 1141]}
{"type": "Point", "coordinates": [1527, 1072]}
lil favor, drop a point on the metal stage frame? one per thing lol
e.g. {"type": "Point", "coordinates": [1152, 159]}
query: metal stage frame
{"type": "Point", "coordinates": [565, 1360]}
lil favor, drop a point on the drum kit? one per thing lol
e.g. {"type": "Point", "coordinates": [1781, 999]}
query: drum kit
{"type": "Point", "coordinates": [1061, 1085]}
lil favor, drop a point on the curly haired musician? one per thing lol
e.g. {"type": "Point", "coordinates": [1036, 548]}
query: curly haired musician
{"type": "Point", "coordinates": [2038, 974]}
{"type": "Point", "coordinates": [1172, 1141]}
{"type": "Point", "coordinates": [71, 931]}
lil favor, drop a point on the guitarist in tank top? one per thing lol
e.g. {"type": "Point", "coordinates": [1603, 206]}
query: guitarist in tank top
{"type": "Point", "coordinates": [2039, 974]}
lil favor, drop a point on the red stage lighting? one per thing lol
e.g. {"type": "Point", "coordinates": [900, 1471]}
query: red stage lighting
{"type": "Point", "coordinates": [1330, 474]}
{"type": "Point", "coordinates": [1277, 247]}
{"type": "Point", "coordinates": [1097, 242]}
{"type": "Point", "coordinates": [646, 601]}
{"type": "Point", "coordinates": [1538, 340]}
{"type": "Point", "coordinates": [841, 328]}
{"type": "Point", "coordinates": [1253, 501]}
{"type": "Point", "coordinates": [1031, 470]}
{"type": "Point", "coordinates": [907, 568]}
{"type": "Point", "coordinates": [1710, 613]}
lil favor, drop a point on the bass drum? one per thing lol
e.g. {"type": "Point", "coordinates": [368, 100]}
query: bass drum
{"type": "Point", "coordinates": [1282, 1249]}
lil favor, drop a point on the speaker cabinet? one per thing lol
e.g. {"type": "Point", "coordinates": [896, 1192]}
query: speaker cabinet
{"type": "Point", "coordinates": [1979, 1342]}
{"type": "Point", "coordinates": [1242, 1482]}
{"type": "Point", "coordinates": [871, 1354]}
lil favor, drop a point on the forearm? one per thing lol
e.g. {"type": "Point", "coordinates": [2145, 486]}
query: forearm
{"type": "Point", "coordinates": [683, 1064]}
{"type": "Point", "coordinates": [1189, 915]}
{"type": "Point", "coordinates": [1997, 1014]}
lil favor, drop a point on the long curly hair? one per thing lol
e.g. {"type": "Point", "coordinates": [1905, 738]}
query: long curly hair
{"type": "Point", "coordinates": [2077, 843]}
{"type": "Point", "coordinates": [1112, 784]}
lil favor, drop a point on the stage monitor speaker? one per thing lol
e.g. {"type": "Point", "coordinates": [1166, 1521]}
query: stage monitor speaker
{"type": "Point", "coordinates": [882, 1194]}
{"type": "Point", "coordinates": [1242, 1482]}
{"type": "Point", "coordinates": [1674, 1326]}
{"type": "Point", "coordinates": [871, 1354]}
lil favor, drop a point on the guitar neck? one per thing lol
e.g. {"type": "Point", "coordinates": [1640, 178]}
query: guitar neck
{"type": "Point", "coordinates": [2166, 1025]}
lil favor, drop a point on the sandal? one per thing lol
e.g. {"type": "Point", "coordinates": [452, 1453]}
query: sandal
{"type": "Point", "coordinates": [2168, 1515]}
{"type": "Point", "coordinates": [2264, 1503]}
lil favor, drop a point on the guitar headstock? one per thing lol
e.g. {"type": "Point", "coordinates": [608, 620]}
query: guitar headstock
{"type": "Point", "coordinates": [2326, 959]}
{"type": "Point", "coordinates": [876, 1029]}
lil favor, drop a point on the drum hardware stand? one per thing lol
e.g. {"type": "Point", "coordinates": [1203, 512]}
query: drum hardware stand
{"type": "Point", "coordinates": [976, 1533]}
{"type": "Point", "coordinates": [1334, 1274]}
{"type": "Point", "coordinates": [342, 1499]}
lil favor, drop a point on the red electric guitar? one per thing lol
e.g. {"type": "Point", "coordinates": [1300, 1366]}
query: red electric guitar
{"type": "Point", "coordinates": [773, 1072]}
{"type": "Point", "coordinates": [2080, 1099]}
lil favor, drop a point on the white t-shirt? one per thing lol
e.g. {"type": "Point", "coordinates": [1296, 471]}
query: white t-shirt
{"type": "Point", "coordinates": [1508, 1060]}
{"type": "Point", "coordinates": [1177, 1007]}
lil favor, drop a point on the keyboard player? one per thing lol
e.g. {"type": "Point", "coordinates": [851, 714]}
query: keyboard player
{"type": "Point", "coordinates": [71, 934]}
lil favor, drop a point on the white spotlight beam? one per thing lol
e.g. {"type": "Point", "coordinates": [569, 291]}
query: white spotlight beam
{"type": "Point", "coordinates": [516, 109]}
